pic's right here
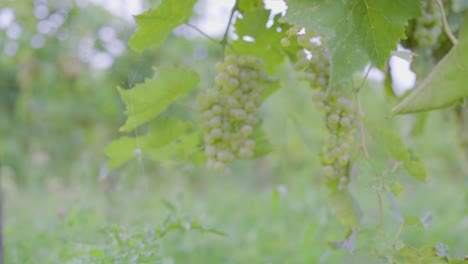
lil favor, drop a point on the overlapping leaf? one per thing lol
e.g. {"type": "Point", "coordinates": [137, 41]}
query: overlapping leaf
{"type": "Point", "coordinates": [155, 25]}
{"type": "Point", "coordinates": [164, 132]}
{"type": "Point", "coordinates": [266, 41]}
{"type": "Point", "coordinates": [445, 85]}
{"type": "Point", "coordinates": [356, 30]}
{"type": "Point", "coordinates": [394, 146]}
{"type": "Point", "coordinates": [146, 100]}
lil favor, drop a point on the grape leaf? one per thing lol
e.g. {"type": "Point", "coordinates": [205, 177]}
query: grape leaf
{"type": "Point", "coordinates": [121, 150]}
{"type": "Point", "coordinates": [394, 146]}
{"type": "Point", "coordinates": [355, 30]}
{"type": "Point", "coordinates": [146, 100]}
{"type": "Point", "coordinates": [161, 134]}
{"type": "Point", "coordinates": [267, 41]}
{"type": "Point", "coordinates": [246, 5]}
{"type": "Point", "coordinates": [346, 208]}
{"type": "Point", "coordinates": [445, 85]}
{"type": "Point", "coordinates": [154, 25]}
{"type": "Point", "coordinates": [263, 145]}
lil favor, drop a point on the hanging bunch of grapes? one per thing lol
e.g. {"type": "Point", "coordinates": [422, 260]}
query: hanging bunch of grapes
{"type": "Point", "coordinates": [229, 111]}
{"type": "Point", "coordinates": [339, 111]}
{"type": "Point", "coordinates": [428, 26]}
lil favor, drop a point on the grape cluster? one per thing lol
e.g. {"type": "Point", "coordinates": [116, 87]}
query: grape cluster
{"type": "Point", "coordinates": [229, 111]}
{"type": "Point", "coordinates": [312, 62]}
{"type": "Point", "coordinates": [429, 25]}
{"type": "Point", "coordinates": [340, 114]}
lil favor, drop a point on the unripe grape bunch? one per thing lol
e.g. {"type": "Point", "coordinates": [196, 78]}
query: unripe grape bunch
{"type": "Point", "coordinates": [339, 112]}
{"type": "Point", "coordinates": [229, 111]}
{"type": "Point", "coordinates": [429, 25]}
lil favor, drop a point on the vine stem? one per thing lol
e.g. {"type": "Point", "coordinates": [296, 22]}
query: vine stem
{"type": "Point", "coordinates": [362, 137]}
{"type": "Point", "coordinates": [447, 30]}
{"type": "Point", "coordinates": [379, 200]}
{"type": "Point", "coordinates": [202, 33]}
{"type": "Point", "coordinates": [224, 40]}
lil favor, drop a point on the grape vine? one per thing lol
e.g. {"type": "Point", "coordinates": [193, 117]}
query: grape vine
{"type": "Point", "coordinates": [328, 43]}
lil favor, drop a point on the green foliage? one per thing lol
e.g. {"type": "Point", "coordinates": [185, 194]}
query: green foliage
{"type": "Point", "coordinates": [396, 149]}
{"type": "Point", "coordinates": [356, 31]}
{"type": "Point", "coordinates": [266, 41]}
{"type": "Point", "coordinates": [345, 206]}
{"type": "Point", "coordinates": [445, 85]}
{"type": "Point", "coordinates": [162, 133]}
{"type": "Point", "coordinates": [155, 25]}
{"type": "Point", "coordinates": [146, 101]}
{"type": "Point", "coordinates": [357, 202]}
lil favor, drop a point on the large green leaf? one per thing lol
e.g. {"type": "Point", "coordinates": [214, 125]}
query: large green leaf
{"type": "Point", "coordinates": [445, 85]}
{"type": "Point", "coordinates": [266, 42]}
{"type": "Point", "coordinates": [146, 100]}
{"type": "Point", "coordinates": [155, 24]}
{"type": "Point", "coordinates": [356, 30]}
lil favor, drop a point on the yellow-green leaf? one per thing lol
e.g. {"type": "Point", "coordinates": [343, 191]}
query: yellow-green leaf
{"type": "Point", "coordinates": [155, 24]}
{"type": "Point", "coordinates": [147, 100]}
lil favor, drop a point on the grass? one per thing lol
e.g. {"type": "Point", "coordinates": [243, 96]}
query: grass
{"type": "Point", "coordinates": [273, 210]}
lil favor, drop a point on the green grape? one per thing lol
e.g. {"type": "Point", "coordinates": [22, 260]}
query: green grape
{"type": "Point", "coordinates": [329, 171]}
{"type": "Point", "coordinates": [303, 40]}
{"type": "Point", "coordinates": [245, 152]}
{"type": "Point", "coordinates": [312, 65]}
{"type": "Point", "coordinates": [210, 150]}
{"type": "Point", "coordinates": [285, 42]}
{"type": "Point", "coordinates": [428, 26]}
{"type": "Point", "coordinates": [216, 110]}
{"type": "Point", "coordinates": [250, 144]}
{"type": "Point", "coordinates": [246, 130]}
{"type": "Point", "coordinates": [229, 111]}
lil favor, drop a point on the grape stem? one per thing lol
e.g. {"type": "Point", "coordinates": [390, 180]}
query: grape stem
{"type": "Point", "coordinates": [224, 41]}
{"type": "Point", "coordinates": [201, 32]}
{"type": "Point", "coordinates": [217, 41]}
{"type": "Point", "coordinates": [447, 30]}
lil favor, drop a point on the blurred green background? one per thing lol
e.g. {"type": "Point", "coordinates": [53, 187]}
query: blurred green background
{"type": "Point", "coordinates": [60, 64]}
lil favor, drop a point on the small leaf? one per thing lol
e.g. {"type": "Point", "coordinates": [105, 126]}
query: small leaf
{"type": "Point", "coordinates": [415, 167]}
{"type": "Point", "coordinates": [121, 151]}
{"type": "Point", "coordinates": [162, 133]}
{"type": "Point", "coordinates": [397, 189]}
{"type": "Point", "coordinates": [412, 220]}
{"type": "Point", "coordinates": [347, 209]}
{"type": "Point", "coordinates": [154, 25]}
{"type": "Point", "coordinates": [263, 145]}
{"type": "Point", "coordinates": [96, 253]}
{"type": "Point", "coordinates": [395, 147]}
{"type": "Point", "coordinates": [390, 141]}
{"type": "Point", "coordinates": [147, 100]}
